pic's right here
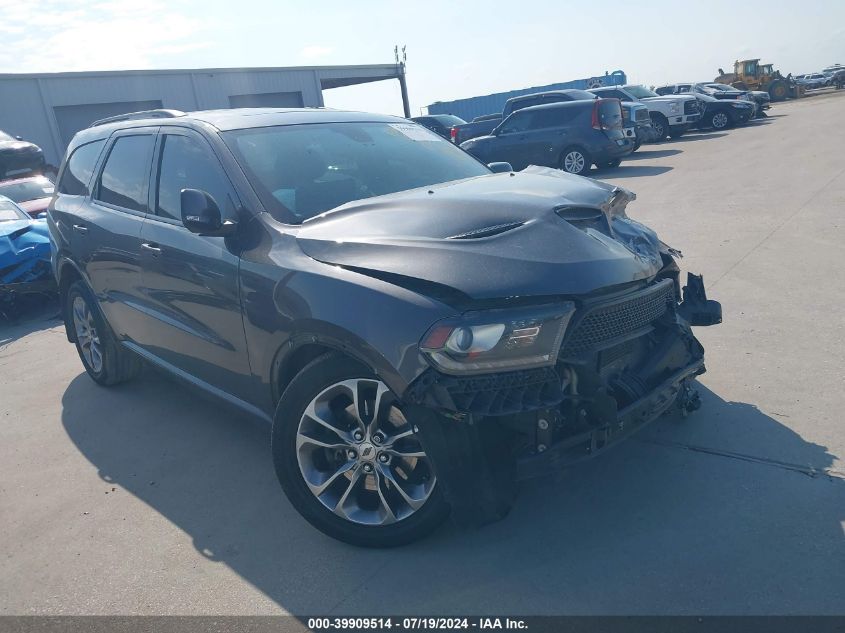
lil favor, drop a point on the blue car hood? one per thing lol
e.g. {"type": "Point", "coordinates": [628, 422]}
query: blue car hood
{"type": "Point", "coordinates": [21, 242]}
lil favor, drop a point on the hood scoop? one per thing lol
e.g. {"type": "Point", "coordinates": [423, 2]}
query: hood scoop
{"type": "Point", "coordinates": [496, 229]}
{"type": "Point", "coordinates": [584, 218]}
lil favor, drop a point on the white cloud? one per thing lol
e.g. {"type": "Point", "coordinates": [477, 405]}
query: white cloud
{"type": "Point", "coordinates": [315, 52]}
{"type": "Point", "coordinates": [60, 36]}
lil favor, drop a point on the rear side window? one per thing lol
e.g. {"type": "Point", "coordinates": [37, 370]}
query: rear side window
{"type": "Point", "coordinates": [124, 178]}
{"type": "Point", "coordinates": [80, 168]}
{"type": "Point", "coordinates": [185, 164]}
{"type": "Point", "coordinates": [554, 117]}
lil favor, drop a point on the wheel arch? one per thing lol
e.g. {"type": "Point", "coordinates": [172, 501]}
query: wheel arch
{"type": "Point", "coordinates": [66, 274]}
{"type": "Point", "coordinates": [302, 349]}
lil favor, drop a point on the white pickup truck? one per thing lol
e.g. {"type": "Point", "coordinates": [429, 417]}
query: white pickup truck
{"type": "Point", "coordinates": [671, 115]}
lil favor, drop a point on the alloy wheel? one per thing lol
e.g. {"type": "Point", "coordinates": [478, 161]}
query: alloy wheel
{"type": "Point", "coordinates": [574, 162]}
{"type": "Point", "coordinates": [720, 120]}
{"type": "Point", "coordinates": [87, 335]}
{"type": "Point", "coordinates": [360, 457]}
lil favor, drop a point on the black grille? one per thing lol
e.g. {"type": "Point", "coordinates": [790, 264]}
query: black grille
{"type": "Point", "coordinates": [491, 394]}
{"type": "Point", "coordinates": [609, 322]}
{"type": "Point", "coordinates": [691, 106]}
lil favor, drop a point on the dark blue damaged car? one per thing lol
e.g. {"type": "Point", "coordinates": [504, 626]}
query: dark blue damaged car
{"type": "Point", "coordinates": [420, 330]}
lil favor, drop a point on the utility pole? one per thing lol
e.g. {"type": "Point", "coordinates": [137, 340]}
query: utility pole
{"type": "Point", "coordinates": [403, 84]}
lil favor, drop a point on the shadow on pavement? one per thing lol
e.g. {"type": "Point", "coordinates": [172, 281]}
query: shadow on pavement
{"type": "Point", "coordinates": [28, 314]}
{"type": "Point", "coordinates": [631, 171]}
{"type": "Point", "coordinates": [695, 135]}
{"type": "Point", "coordinates": [644, 154]}
{"type": "Point", "coordinates": [651, 527]}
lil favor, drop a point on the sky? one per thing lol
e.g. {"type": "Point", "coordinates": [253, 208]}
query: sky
{"type": "Point", "coordinates": [454, 49]}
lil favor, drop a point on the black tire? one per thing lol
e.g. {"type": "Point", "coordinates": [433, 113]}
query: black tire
{"type": "Point", "coordinates": [637, 144]}
{"type": "Point", "coordinates": [778, 90]}
{"type": "Point", "coordinates": [319, 375]}
{"type": "Point", "coordinates": [572, 164]}
{"type": "Point", "coordinates": [719, 120]}
{"type": "Point", "coordinates": [660, 126]}
{"type": "Point", "coordinates": [117, 364]}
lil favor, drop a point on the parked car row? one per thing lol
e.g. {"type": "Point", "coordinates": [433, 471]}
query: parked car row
{"type": "Point", "coordinates": [573, 130]}
{"type": "Point", "coordinates": [830, 76]}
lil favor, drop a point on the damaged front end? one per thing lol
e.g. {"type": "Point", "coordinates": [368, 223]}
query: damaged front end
{"type": "Point", "coordinates": [625, 357]}
{"type": "Point", "coordinates": [24, 255]}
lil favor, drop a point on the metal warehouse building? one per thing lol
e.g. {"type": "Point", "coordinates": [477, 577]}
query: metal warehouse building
{"type": "Point", "coordinates": [49, 108]}
{"type": "Point", "coordinates": [472, 107]}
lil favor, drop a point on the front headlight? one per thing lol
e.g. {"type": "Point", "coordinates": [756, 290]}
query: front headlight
{"type": "Point", "coordinates": [674, 107]}
{"type": "Point", "coordinates": [495, 340]}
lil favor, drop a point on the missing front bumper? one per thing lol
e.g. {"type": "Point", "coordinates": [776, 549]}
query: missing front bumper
{"type": "Point", "coordinates": [633, 417]}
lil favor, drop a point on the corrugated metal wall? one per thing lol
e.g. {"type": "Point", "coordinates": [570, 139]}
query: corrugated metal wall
{"type": "Point", "coordinates": [472, 107]}
{"type": "Point", "coordinates": [36, 107]}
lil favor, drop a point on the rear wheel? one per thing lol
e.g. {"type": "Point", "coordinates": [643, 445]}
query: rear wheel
{"type": "Point", "coordinates": [105, 360]}
{"type": "Point", "coordinates": [348, 459]}
{"type": "Point", "coordinates": [660, 126]}
{"type": "Point", "coordinates": [575, 160]}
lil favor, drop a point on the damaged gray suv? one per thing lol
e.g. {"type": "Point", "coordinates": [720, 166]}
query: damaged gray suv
{"type": "Point", "coordinates": [422, 330]}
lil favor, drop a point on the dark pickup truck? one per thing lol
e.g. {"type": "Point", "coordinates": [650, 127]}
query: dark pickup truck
{"type": "Point", "coordinates": [483, 125]}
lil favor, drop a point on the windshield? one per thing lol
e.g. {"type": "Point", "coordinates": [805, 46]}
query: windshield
{"type": "Point", "coordinates": [24, 190]}
{"type": "Point", "coordinates": [300, 171]}
{"type": "Point", "coordinates": [9, 211]}
{"type": "Point", "coordinates": [641, 92]}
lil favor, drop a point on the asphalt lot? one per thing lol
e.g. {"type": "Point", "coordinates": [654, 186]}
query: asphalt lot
{"type": "Point", "coordinates": [148, 499]}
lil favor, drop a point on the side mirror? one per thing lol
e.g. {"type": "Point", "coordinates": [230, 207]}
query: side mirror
{"type": "Point", "coordinates": [201, 215]}
{"type": "Point", "coordinates": [499, 168]}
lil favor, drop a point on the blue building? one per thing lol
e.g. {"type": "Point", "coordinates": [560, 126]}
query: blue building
{"type": "Point", "coordinates": [472, 107]}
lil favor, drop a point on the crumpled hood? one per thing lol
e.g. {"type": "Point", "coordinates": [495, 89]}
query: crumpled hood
{"type": "Point", "coordinates": [494, 236]}
{"type": "Point", "coordinates": [21, 243]}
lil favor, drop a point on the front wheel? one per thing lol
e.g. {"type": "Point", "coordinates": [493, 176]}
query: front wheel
{"type": "Point", "coordinates": [720, 120]}
{"type": "Point", "coordinates": [660, 126]}
{"type": "Point", "coordinates": [575, 160]}
{"type": "Point", "coordinates": [105, 360]}
{"type": "Point", "coordinates": [348, 459]}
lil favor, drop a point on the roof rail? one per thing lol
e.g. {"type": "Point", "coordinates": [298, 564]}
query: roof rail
{"type": "Point", "coordinates": [143, 114]}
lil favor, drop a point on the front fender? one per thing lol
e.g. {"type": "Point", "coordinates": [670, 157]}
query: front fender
{"type": "Point", "coordinates": [307, 302]}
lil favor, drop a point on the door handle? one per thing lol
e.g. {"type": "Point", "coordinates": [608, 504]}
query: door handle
{"type": "Point", "coordinates": [81, 229]}
{"type": "Point", "coordinates": [153, 248]}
